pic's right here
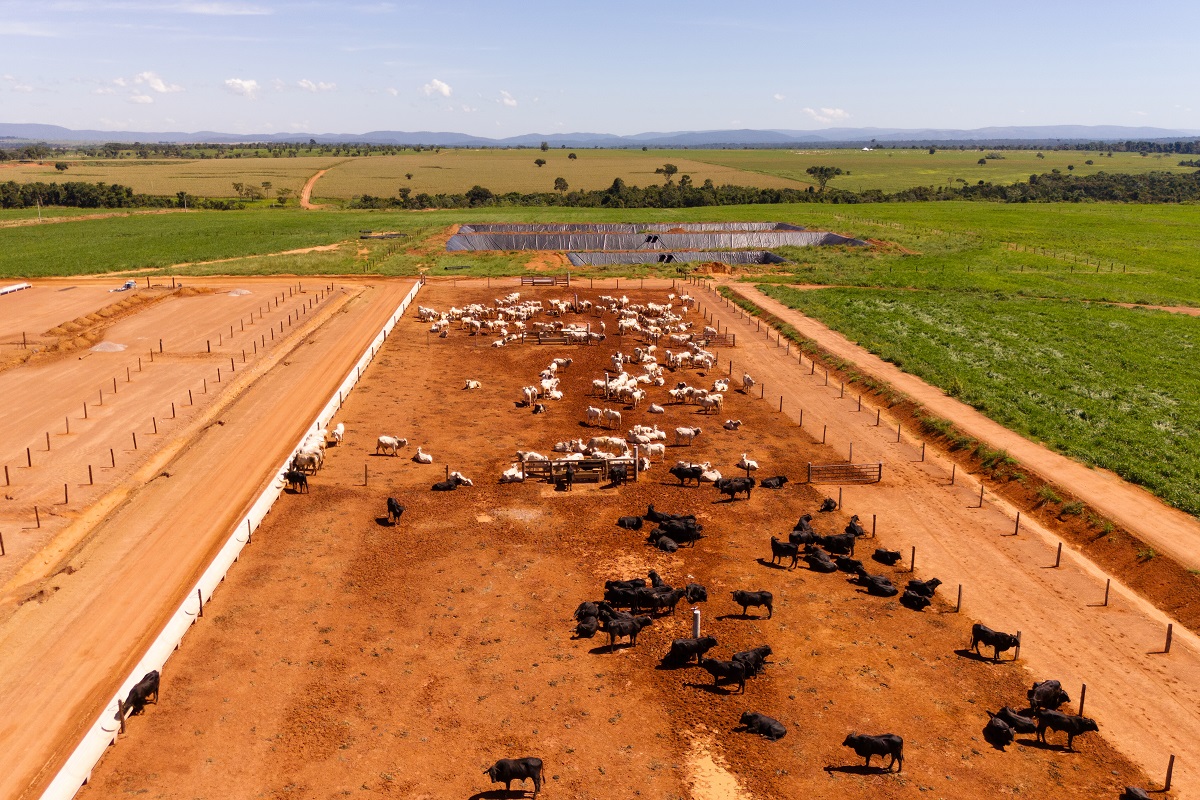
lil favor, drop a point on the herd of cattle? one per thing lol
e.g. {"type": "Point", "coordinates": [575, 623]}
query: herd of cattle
{"type": "Point", "coordinates": [629, 606]}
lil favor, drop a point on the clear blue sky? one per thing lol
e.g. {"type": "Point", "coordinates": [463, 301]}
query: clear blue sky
{"type": "Point", "coordinates": [505, 68]}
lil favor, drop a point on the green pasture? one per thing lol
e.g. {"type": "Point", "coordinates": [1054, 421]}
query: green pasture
{"type": "Point", "coordinates": [1108, 386]}
{"type": "Point", "coordinates": [893, 170]}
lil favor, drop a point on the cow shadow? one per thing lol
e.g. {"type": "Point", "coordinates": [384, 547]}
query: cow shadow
{"type": "Point", "coordinates": [290, 490]}
{"type": "Point", "coordinates": [605, 649]}
{"type": "Point", "coordinates": [723, 691]}
{"type": "Point", "coordinates": [858, 769]}
{"type": "Point", "coordinates": [501, 794]}
{"type": "Point", "coordinates": [971, 655]}
{"type": "Point", "coordinates": [771, 564]}
{"type": "Point", "coordinates": [672, 666]}
{"type": "Point", "coordinates": [384, 522]}
{"type": "Point", "coordinates": [741, 616]}
{"type": "Point", "coordinates": [1057, 748]}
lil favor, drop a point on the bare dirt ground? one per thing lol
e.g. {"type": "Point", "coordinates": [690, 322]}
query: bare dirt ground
{"type": "Point", "coordinates": [102, 595]}
{"type": "Point", "coordinates": [306, 192]}
{"type": "Point", "coordinates": [344, 656]}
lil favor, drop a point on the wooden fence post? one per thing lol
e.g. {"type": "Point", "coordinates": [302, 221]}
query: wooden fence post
{"type": "Point", "coordinates": [1058, 556]}
{"type": "Point", "coordinates": [958, 605]}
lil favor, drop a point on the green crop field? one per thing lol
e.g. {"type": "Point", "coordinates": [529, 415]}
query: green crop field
{"type": "Point", "coordinates": [892, 170]}
{"type": "Point", "coordinates": [1110, 386]}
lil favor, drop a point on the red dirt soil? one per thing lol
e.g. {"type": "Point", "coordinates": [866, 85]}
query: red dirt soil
{"type": "Point", "coordinates": [61, 658]}
{"type": "Point", "coordinates": [345, 656]}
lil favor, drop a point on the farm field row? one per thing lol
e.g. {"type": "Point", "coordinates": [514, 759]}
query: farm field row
{"type": "Point", "coordinates": [943, 246]}
{"type": "Point", "coordinates": [344, 652]}
{"type": "Point", "coordinates": [1104, 385]}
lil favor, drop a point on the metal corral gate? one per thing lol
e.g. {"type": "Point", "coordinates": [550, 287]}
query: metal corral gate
{"type": "Point", "coordinates": [587, 470]}
{"type": "Point", "coordinates": [546, 280]}
{"type": "Point", "coordinates": [720, 340]}
{"type": "Point", "coordinates": [845, 473]}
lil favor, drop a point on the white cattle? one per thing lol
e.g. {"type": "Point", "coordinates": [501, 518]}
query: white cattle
{"type": "Point", "coordinates": [686, 435]}
{"type": "Point", "coordinates": [611, 418]}
{"type": "Point", "coordinates": [593, 415]}
{"type": "Point", "coordinates": [747, 464]}
{"type": "Point", "coordinates": [389, 445]}
{"type": "Point", "coordinates": [656, 449]}
{"type": "Point", "coordinates": [732, 424]}
{"type": "Point", "coordinates": [339, 431]}
{"type": "Point", "coordinates": [655, 408]}
{"type": "Point", "coordinates": [422, 458]}
{"type": "Point", "coordinates": [748, 383]}
{"type": "Point", "coordinates": [472, 385]}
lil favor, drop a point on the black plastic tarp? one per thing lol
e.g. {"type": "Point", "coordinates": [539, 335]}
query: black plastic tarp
{"type": "Point", "coordinates": [672, 257]}
{"type": "Point", "coordinates": [724, 240]}
{"type": "Point", "coordinates": [625, 227]}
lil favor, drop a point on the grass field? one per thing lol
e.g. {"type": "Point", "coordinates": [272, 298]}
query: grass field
{"type": "Point", "coordinates": [204, 178]}
{"type": "Point", "coordinates": [450, 171]}
{"type": "Point", "coordinates": [892, 170]}
{"type": "Point", "coordinates": [1109, 386]}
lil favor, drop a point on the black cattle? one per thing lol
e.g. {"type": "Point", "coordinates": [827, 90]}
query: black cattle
{"type": "Point", "coordinates": [848, 564]}
{"type": "Point", "coordinates": [656, 516]}
{"type": "Point", "coordinates": [754, 659]}
{"type": "Point", "coordinates": [753, 600]}
{"type": "Point", "coordinates": [924, 588]}
{"type": "Point", "coordinates": [781, 550]}
{"type": "Point", "coordinates": [681, 530]}
{"type": "Point", "coordinates": [727, 671]}
{"type": "Point", "coordinates": [889, 557]}
{"type": "Point", "coordinates": [621, 627]}
{"type": "Point", "coordinates": [855, 527]}
{"type": "Point", "coordinates": [656, 580]}
{"type": "Point", "coordinates": [650, 600]}
{"type": "Point", "coordinates": [687, 472]}
{"type": "Point", "coordinates": [664, 543]}
{"type": "Point", "coordinates": [683, 651]}
{"type": "Point", "coordinates": [1134, 793]}
{"type": "Point", "coordinates": [630, 523]}
{"type": "Point", "coordinates": [878, 585]}
{"type": "Point", "coordinates": [803, 537]}
{"type": "Point", "coordinates": [1071, 724]}
{"type": "Point", "coordinates": [1015, 721]}
{"type": "Point", "coordinates": [889, 744]}
{"type": "Point", "coordinates": [620, 597]}
{"type": "Point", "coordinates": [618, 473]}
{"type": "Point", "coordinates": [448, 485]}
{"type": "Point", "coordinates": [569, 477]}
{"type": "Point", "coordinates": [763, 725]}
{"type": "Point", "coordinates": [632, 583]}
{"type": "Point", "coordinates": [507, 770]}
{"type": "Point", "coordinates": [586, 609]}
{"type": "Point", "coordinates": [804, 523]}
{"type": "Point", "coordinates": [1047, 694]}
{"type": "Point", "coordinates": [394, 510]}
{"type": "Point", "coordinates": [586, 628]}
{"type": "Point", "coordinates": [998, 733]}
{"type": "Point", "coordinates": [695, 593]}
{"type": "Point", "coordinates": [819, 561]}
{"type": "Point", "coordinates": [776, 482]}
{"type": "Point", "coordinates": [140, 694]}
{"type": "Point", "coordinates": [734, 486]}
{"type": "Point", "coordinates": [539, 408]}
{"type": "Point", "coordinates": [997, 640]}
{"type": "Point", "coordinates": [607, 612]}
{"type": "Point", "coordinates": [841, 544]}
{"type": "Point", "coordinates": [297, 481]}
{"type": "Point", "coordinates": [917, 602]}
{"type": "Point", "coordinates": [828, 504]}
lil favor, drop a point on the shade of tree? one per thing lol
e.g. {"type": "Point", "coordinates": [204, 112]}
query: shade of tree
{"type": "Point", "coordinates": [823, 175]}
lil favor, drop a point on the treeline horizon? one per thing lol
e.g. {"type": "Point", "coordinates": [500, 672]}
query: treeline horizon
{"type": "Point", "coordinates": [1050, 187]}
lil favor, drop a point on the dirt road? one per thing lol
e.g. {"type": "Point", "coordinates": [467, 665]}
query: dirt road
{"type": "Point", "coordinates": [1170, 530]}
{"type": "Point", "coordinates": [90, 631]}
{"type": "Point", "coordinates": [1007, 585]}
{"type": "Point", "coordinates": [306, 192]}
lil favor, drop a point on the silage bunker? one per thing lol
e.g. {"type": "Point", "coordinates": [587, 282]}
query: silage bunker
{"type": "Point", "coordinates": [646, 243]}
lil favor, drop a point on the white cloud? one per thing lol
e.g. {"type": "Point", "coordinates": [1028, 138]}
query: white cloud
{"type": "Point", "coordinates": [278, 85]}
{"type": "Point", "coordinates": [22, 87]}
{"type": "Point", "coordinates": [156, 83]}
{"type": "Point", "coordinates": [827, 115]}
{"type": "Point", "coordinates": [777, 96]}
{"type": "Point", "coordinates": [436, 87]}
{"type": "Point", "coordinates": [209, 9]}
{"type": "Point", "coordinates": [246, 88]}
{"type": "Point", "coordinates": [319, 86]}
{"type": "Point", "coordinates": [105, 90]}
{"type": "Point", "coordinates": [141, 99]}
{"type": "Point", "coordinates": [466, 108]}
{"type": "Point", "coordinates": [393, 91]}
{"type": "Point", "coordinates": [120, 82]}
{"type": "Point", "coordinates": [507, 99]}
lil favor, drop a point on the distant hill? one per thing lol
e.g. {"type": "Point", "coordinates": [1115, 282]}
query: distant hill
{"type": "Point", "coordinates": [1031, 134]}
